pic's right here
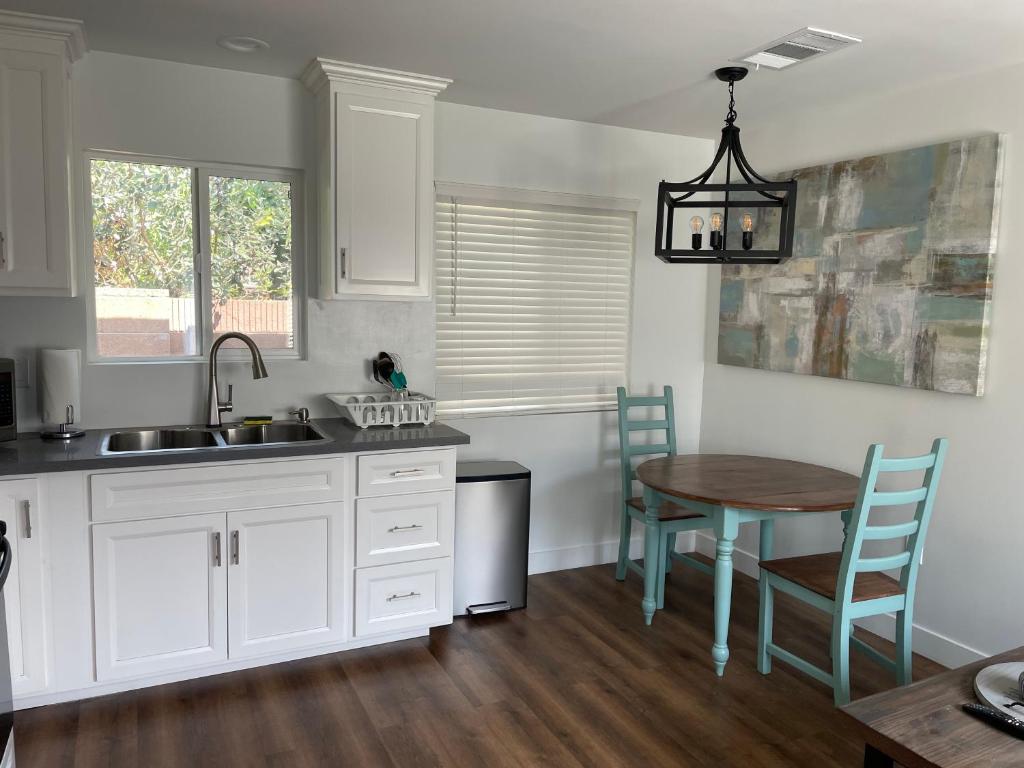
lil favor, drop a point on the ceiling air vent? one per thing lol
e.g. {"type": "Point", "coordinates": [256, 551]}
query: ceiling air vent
{"type": "Point", "coordinates": [804, 44]}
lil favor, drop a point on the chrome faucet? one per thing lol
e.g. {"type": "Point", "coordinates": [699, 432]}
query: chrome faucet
{"type": "Point", "coordinates": [259, 371]}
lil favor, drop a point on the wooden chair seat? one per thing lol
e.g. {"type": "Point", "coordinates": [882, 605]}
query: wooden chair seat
{"type": "Point", "coordinates": [667, 510]}
{"type": "Point", "coordinates": [820, 574]}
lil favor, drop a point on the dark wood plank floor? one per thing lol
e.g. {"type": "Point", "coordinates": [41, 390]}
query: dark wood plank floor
{"type": "Point", "coordinates": [576, 679]}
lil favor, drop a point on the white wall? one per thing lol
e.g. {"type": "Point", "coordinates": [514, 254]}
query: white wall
{"type": "Point", "coordinates": [160, 108]}
{"type": "Point", "coordinates": [968, 585]}
{"type": "Point", "coordinates": [574, 457]}
{"type": "Point", "coordinates": [153, 107]}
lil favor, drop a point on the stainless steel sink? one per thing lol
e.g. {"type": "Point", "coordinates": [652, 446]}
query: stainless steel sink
{"type": "Point", "coordinates": [204, 439]}
{"type": "Point", "coordinates": [146, 440]}
{"type": "Point", "coordinates": [271, 434]}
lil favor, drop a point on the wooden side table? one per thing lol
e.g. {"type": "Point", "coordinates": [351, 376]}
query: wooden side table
{"type": "Point", "coordinates": [922, 725]}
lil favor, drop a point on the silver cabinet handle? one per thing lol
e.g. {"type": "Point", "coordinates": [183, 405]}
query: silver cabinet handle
{"type": "Point", "coordinates": [401, 528]}
{"type": "Point", "coordinates": [407, 472]}
{"type": "Point", "coordinates": [234, 547]}
{"type": "Point", "coordinates": [216, 549]}
{"type": "Point", "coordinates": [341, 262]}
{"type": "Point", "coordinates": [3, 251]}
{"type": "Point", "coordinates": [403, 597]}
{"type": "Point", "coordinates": [28, 519]}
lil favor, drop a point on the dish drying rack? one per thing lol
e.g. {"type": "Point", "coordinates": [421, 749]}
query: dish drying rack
{"type": "Point", "coordinates": [388, 409]}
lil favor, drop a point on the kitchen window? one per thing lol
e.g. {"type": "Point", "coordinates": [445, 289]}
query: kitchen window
{"type": "Point", "coordinates": [533, 296]}
{"type": "Point", "coordinates": [185, 252]}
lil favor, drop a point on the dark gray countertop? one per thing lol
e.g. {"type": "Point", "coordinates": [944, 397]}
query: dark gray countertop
{"type": "Point", "coordinates": [31, 455]}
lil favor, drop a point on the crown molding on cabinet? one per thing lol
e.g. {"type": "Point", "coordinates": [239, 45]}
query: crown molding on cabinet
{"type": "Point", "coordinates": [70, 31]}
{"type": "Point", "coordinates": [322, 71]}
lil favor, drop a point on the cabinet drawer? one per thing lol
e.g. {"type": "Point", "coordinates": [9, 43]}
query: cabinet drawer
{"type": "Point", "coordinates": [390, 598]}
{"type": "Point", "coordinates": [222, 488]}
{"type": "Point", "coordinates": [395, 529]}
{"type": "Point", "coordinates": [387, 473]}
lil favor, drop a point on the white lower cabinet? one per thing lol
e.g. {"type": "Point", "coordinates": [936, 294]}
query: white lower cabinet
{"type": "Point", "coordinates": [395, 597]}
{"type": "Point", "coordinates": [284, 581]}
{"type": "Point", "coordinates": [180, 592]}
{"type": "Point", "coordinates": [160, 595]}
{"type": "Point", "coordinates": [176, 572]}
{"type": "Point", "coordinates": [24, 592]}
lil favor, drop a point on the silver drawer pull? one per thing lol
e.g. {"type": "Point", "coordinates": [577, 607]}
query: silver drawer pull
{"type": "Point", "coordinates": [407, 472]}
{"type": "Point", "coordinates": [403, 597]}
{"type": "Point", "coordinates": [28, 519]}
{"type": "Point", "coordinates": [402, 528]}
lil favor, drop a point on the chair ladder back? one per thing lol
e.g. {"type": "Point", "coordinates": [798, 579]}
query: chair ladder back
{"type": "Point", "coordinates": [923, 515]}
{"type": "Point", "coordinates": [912, 531]}
{"type": "Point", "coordinates": [628, 451]}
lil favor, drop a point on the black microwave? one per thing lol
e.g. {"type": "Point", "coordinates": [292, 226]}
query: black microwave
{"type": "Point", "coordinates": [8, 404]}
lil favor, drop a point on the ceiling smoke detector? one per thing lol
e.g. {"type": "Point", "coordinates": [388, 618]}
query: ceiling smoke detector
{"type": "Point", "coordinates": [242, 43]}
{"type": "Point", "coordinates": [804, 44]}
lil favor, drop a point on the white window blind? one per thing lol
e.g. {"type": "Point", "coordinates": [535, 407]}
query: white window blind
{"type": "Point", "coordinates": [533, 306]}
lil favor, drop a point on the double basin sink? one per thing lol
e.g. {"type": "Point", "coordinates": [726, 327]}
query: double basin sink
{"type": "Point", "coordinates": [213, 438]}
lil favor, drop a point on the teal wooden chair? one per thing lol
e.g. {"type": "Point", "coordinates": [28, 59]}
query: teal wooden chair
{"type": "Point", "coordinates": [848, 585]}
{"type": "Point", "coordinates": [671, 518]}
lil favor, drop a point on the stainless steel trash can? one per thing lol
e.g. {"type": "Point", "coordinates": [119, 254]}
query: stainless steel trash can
{"type": "Point", "coordinates": [492, 536]}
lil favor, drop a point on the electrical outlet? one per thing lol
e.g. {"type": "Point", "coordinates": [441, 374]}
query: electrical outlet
{"type": "Point", "coordinates": [23, 370]}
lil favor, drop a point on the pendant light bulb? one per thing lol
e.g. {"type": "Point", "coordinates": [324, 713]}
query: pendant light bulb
{"type": "Point", "coordinates": [716, 231]}
{"type": "Point", "coordinates": [696, 239]}
{"type": "Point", "coordinates": [747, 225]}
{"type": "Point", "coordinates": [748, 222]}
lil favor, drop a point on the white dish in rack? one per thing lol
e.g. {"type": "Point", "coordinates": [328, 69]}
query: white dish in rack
{"type": "Point", "coordinates": [386, 409]}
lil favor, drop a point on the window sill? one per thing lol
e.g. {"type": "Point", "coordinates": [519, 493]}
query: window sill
{"type": "Point", "coordinates": [449, 416]}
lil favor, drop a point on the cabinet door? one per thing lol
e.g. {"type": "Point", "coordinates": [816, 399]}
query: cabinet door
{"type": "Point", "coordinates": [35, 250]}
{"type": "Point", "coordinates": [24, 591]}
{"type": "Point", "coordinates": [384, 196]}
{"type": "Point", "coordinates": [160, 594]}
{"type": "Point", "coordinates": [284, 583]}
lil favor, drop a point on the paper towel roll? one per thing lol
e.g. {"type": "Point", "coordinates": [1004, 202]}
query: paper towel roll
{"type": "Point", "coordinates": [61, 371]}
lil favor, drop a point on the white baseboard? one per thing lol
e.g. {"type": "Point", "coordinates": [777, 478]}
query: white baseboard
{"type": "Point", "coordinates": [927, 642]}
{"type": "Point", "coordinates": [581, 555]}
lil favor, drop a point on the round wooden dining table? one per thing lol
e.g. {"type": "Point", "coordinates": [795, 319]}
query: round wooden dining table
{"type": "Point", "coordinates": [730, 490]}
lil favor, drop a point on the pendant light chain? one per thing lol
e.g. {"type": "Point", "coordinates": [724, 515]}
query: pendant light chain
{"type": "Point", "coordinates": [730, 117]}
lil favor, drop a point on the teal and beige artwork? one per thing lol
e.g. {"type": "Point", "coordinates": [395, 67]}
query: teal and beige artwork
{"type": "Point", "coordinates": [891, 276]}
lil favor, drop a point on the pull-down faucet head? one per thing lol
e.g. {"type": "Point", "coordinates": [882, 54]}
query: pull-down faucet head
{"type": "Point", "coordinates": [259, 371]}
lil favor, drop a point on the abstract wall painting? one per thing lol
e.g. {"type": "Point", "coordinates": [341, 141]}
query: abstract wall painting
{"type": "Point", "coordinates": [891, 276]}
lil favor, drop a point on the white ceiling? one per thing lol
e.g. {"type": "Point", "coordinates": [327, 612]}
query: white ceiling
{"type": "Point", "coordinates": [637, 63]}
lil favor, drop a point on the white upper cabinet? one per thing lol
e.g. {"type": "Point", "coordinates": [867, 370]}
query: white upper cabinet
{"type": "Point", "coordinates": [35, 147]}
{"type": "Point", "coordinates": [375, 138]}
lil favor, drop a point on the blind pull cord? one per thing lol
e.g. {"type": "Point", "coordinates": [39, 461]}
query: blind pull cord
{"type": "Point", "coordinates": [455, 256]}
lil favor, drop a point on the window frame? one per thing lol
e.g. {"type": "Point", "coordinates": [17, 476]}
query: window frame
{"type": "Point", "coordinates": [201, 171]}
{"type": "Point", "coordinates": [515, 196]}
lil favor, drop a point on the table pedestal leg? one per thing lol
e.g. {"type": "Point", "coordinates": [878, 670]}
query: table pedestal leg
{"type": "Point", "coordinates": [767, 545]}
{"type": "Point", "coordinates": [845, 516]}
{"type": "Point", "coordinates": [726, 529]}
{"type": "Point", "coordinates": [652, 549]}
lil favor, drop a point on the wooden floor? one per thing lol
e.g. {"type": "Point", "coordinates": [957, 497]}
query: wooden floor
{"type": "Point", "coordinates": [576, 679]}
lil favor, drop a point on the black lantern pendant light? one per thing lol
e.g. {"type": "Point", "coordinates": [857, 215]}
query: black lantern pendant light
{"type": "Point", "coordinates": [747, 204]}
